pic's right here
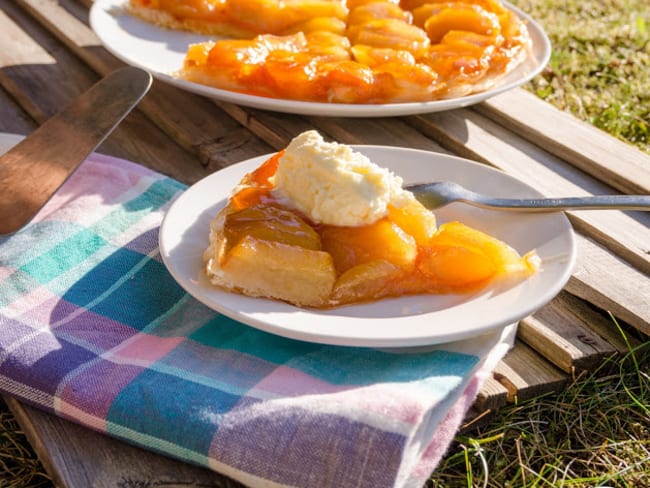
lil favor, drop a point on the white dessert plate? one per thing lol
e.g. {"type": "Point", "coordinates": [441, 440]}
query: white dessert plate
{"type": "Point", "coordinates": [162, 51]}
{"type": "Point", "coordinates": [396, 322]}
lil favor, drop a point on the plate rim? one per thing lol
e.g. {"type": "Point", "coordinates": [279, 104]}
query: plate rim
{"type": "Point", "coordinates": [101, 7]}
{"type": "Point", "coordinates": [358, 340]}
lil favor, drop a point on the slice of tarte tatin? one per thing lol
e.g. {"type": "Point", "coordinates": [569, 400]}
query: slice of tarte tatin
{"type": "Point", "coordinates": [319, 225]}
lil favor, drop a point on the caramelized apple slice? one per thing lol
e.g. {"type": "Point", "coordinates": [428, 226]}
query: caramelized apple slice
{"type": "Point", "coordinates": [366, 282]}
{"type": "Point", "coordinates": [391, 33]}
{"type": "Point", "coordinates": [383, 240]}
{"type": "Point", "coordinates": [461, 16]}
{"type": "Point", "coordinates": [461, 258]}
{"type": "Point", "coordinates": [377, 10]}
{"type": "Point", "coordinates": [278, 16]}
{"type": "Point", "coordinates": [319, 24]}
{"type": "Point", "coordinates": [415, 220]}
{"type": "Point", "coordinates": [270, 224]}
{"type": "Point", "coordinates": [344, 81]}
{"type": "Point", "coordinates": [269, 269]}
{"type": "Point", "coordinates": [328, 45]}
{"type": "Point", "coordinates": [373, 56]}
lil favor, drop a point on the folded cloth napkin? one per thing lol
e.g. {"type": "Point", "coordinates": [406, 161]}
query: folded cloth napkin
{"type": "Point", "coordinates": [95, 330]}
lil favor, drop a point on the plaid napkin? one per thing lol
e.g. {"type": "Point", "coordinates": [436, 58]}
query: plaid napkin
{"type": "Point", "coordinates": [95, 330]}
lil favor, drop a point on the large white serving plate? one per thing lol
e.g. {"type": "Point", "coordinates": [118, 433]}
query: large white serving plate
{"type": "Point", "coordinates": [397, 322]}
{"type": "Point", "coordinates": [161, 52]}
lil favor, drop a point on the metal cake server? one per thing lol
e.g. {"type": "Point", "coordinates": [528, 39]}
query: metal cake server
{"type": "Point", "coordinates": [32, 171]}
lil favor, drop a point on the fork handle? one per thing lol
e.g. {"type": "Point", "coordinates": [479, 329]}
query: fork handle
{"type": "Point", "coordinates": [616, 202]}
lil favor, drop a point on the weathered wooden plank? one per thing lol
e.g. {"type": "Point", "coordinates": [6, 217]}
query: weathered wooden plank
{"type": "Point", "coordinates": [26, 69]}
{"type": "Point", "coordinates": [611, 284]}
{"type": "Point", "coordinates": [382, 132]}
{"type": "Point", "coordinates": [13, 118]}
{"type": "Point", "coordinates": [525, 374]}
{"type": "Point", "coordinates": [602, 323]}
{"type": "Point", "coordinates": [43, 77]}
{"type": "Point", "coordinates": [492, 396]}
{"type": "Point", "coordinates": [595, 152]}
{"type": "Point", "coordinates": [75, 456]}
{"type": "Point", "coordinates": [276, 129]}
{"type": "Point", "coordinates": [199, 127]}
{"type": "Point", "coordinates": [563, 337]}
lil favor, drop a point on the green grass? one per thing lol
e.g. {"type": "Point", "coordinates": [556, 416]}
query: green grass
{"type": "Point", "coordinates": [594, 433]}
{"type": "Point", "coordinates": [597, 431]}
{"type": "Point", "coordinates": [600, 63]}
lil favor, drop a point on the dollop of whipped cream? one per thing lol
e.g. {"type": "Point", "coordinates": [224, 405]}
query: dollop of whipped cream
{"type": "Point", "coordinates": [333, 184]}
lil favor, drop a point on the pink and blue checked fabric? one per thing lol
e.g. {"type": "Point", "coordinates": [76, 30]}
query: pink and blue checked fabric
{"type": "Point", "coordinates": [95, 330]}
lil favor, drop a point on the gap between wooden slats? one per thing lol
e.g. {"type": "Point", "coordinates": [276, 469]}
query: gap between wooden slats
{"type": "Point", "coordinates": [190, 120]}
{"type": "Point", "coordinates": [278, 129]}
{"type": "Point", "coordinates": [566, 337]}
{"type": "Point", "coordinates": [587, 147]}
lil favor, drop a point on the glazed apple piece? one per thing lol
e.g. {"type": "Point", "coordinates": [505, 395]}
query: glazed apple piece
{"type": "Point", "coordinates": [460, 258]}
{"type": "Point", "coordinates": [415, 220]}
{"type": "Point", "coordinates": [377, 10]}
{"type": "Point", "coordinates": [438, 19]}
{"type": "Point", "coordinates": [319, 24]}
{"type": "Point", "coordinates": [368, 281]}
{"type": "Point", "coordinates": [392, 33]}
{"type": "Point", "coordinates": [271, 224]}
{"type": "Point", "coordinates": [383, 240]}
{"type": "Point", "coordinates": [274, 17]}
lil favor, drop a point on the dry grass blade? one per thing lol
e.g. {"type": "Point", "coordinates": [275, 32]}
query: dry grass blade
{"type": "Point", "coordinates": [595, 433]}
{"type": "Point", "coordinates": [19, 467]}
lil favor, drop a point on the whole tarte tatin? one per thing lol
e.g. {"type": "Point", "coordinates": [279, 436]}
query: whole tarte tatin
{"type": "Point", "coordinates": [355, 51]}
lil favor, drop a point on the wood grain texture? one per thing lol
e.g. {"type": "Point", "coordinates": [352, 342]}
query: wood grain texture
{"type": "Point", "coordinates": [526, 374]}
{"type": "Point", "coordinates": [46, 77]}
{"type": "Point", "coordinates": [564, 338]}
{"type": "Point", "coordinates": [492, 396]}
{"type": "Point", "coordinates": [612, 284]}
{"type": "Point", "coordinates": [195, 128]}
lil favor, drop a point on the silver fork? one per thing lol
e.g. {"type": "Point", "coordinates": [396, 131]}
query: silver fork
{"type": "Point", "coordinates": [438, 194]}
